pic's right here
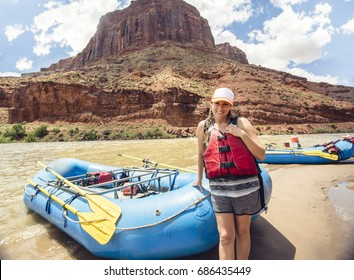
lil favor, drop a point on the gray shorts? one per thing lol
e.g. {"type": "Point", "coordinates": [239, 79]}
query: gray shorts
{"type": "Point", "coordinates": [245, 205]}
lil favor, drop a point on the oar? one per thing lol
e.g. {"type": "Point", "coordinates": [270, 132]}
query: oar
{"type": "Point", "coordinates": [321, 154]}
{"type": "Point", "coordinates": [154, 162]}
{"type": "Point", "coordinates": [99, 227]}
{"type": "Point", "coordinates": [306, 153]}
{"type": "Point", "coordinates": [97, 203]}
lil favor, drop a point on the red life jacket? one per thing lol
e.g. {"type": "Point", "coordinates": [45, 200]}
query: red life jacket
{"type": "Point", "coordinates": [227, 155]}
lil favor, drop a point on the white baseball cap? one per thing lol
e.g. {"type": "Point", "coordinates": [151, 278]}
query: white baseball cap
{"type": "Point", "coordinates": [223, 94]}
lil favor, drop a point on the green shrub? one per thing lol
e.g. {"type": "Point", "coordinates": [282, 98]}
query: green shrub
{"type": "Point", "coordinates": [73, 132]}
{"type": "Point", "coordinates": [321, 130]}
{"type": "Point", "coordinates": [153, 133]}
{"type": "Point", "coordinates": [106, 133]}
{"type": "Point", "coordinates": [122, 135]}
{"type": "Point", "coordinates": [30, 138]}
{"type": "Point", "coordinates": [334, 126]}
{"type": "Point", "coordinates": [17, 132]}
{"type": "Point", "coordinates": [4, 139]}
{"type": "Point", "coordinates": [41, 131]}
{"type": "Point", "coordinates": [89, 135]}
{"type": "Point", "coordinates": [56, 130]}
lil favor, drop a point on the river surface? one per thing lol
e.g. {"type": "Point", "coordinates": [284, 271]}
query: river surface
{"type": "Point", "coordinates": [25, 235]}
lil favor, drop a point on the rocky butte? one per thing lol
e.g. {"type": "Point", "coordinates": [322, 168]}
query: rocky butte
{"type": "Point", "coordinates": [157, 60]}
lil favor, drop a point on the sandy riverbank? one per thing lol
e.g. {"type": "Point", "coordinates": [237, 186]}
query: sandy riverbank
{"type": "Point", "coordinates": [301, 222]}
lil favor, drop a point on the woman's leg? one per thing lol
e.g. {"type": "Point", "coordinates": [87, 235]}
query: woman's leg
{"type": "Point", "coordinates": [226, 228]}
{"type": "Point", "coordinates": [243, 236]}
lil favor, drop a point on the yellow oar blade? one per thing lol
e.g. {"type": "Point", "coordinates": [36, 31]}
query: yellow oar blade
{"type": "Point", "coordinates": [97, 226]}
{"type": "Point", "coordinates": [97, 203]}
{"type": "Point", "coordinates": [104, 206]}
{"type": "Point", "coordinates": [321, 154]}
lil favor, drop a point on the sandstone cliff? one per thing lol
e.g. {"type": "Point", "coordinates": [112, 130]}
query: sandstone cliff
{"type": "Point", "coordinates": [232, 52]}
{"type": "Point", "coordinates": [49, 101]}
{"type": "Point", "coordinates": [142, 24]}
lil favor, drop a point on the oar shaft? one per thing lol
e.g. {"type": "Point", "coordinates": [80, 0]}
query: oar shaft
{"type": "Point", "coordinates": [154, 162]}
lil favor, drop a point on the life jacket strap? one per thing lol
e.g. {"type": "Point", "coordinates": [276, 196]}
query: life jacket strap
{"type": "Point", "coordinates": [227, 164]}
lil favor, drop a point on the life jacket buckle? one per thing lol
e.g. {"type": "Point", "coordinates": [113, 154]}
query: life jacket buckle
{"type": "Point", "coordinates": [222, 137]}
{"type": "Point", "coordinates": [224, 149]}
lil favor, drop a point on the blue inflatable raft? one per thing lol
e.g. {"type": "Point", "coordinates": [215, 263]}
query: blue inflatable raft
{"type": "Point", "coordinates": [127, 213]}
{"type": "Point", "coordinates": [331, 152]}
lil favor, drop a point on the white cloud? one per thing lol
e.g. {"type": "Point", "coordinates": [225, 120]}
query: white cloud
{"type": "Point", "coordinates": [13, 31]}
{"type": "Point", "coordinates": [222, 13]}
{"type": "Point", "coordinates": [283, 4]}
{"type": "Point", "coordinates": [287, 40]}
{"type": "Point", "coordinates": [315, 78]}
{"type": "Point", "coordinates": [24, 64]}
{"type": "Point", "coordinates": [9, 74]}
{"type": "Point", "coordinates": [289, 37]}
{"type": "Point", "coordinates": [68, 25]}
{"type": "Point", "coordinates": [348, 28]}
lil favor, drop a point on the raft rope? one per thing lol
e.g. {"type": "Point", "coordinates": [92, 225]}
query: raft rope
{"type": "Point", "coordinates": [64, 210]}
{"type": "Point", "coordinates": [57, 187]}
{"type": "Point", "coordinates": [30, 194]}
{"type": "Point", "coordinates": [168, 218]}
{"type": "Point", "coordinates": [148, 225]}
{"type": "Point", "coordinates": [83, 222]}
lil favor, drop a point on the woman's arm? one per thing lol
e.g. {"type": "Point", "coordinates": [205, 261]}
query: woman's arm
{"type": "Point", "coordinates": [201, 151]}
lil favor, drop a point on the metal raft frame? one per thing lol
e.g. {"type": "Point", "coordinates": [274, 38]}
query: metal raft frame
{"type": "Point", "coordinates": [147, 179]}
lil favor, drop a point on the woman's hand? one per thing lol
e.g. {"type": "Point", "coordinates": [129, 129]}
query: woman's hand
{"type": "Point", "coordinates": [198, 184]}
{"type": "Point", "coordinates": [234, 130]}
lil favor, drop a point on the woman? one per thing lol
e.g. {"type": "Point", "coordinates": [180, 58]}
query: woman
{"type": "Point", "coordinates": [227, 148]}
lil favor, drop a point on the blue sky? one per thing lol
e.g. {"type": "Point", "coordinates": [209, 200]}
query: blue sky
{"type": "Point", "coordinates": [308, 38]}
